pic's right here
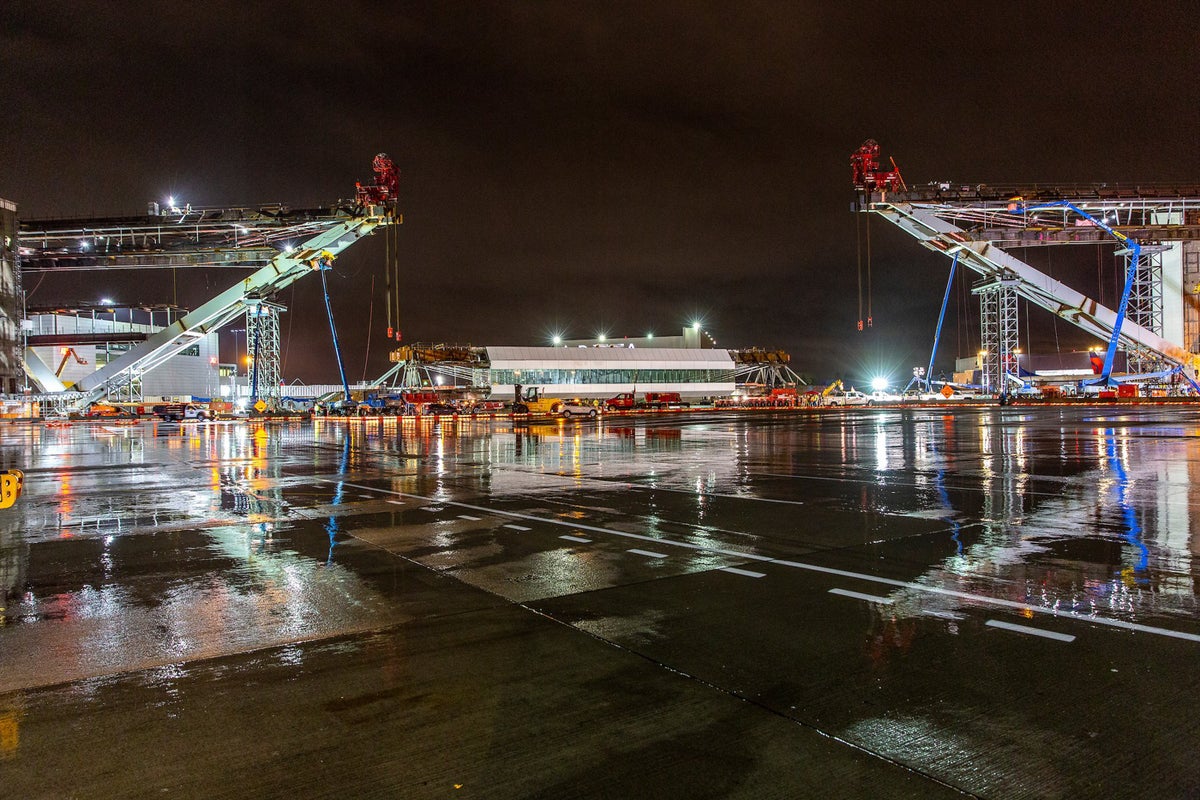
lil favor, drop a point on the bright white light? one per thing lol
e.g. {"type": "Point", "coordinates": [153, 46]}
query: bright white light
{"type": "Point", "coordinates": [879, 384]}
{"type": "Point", "coordinates": [649, 335]}
{"type": "Point", "coordinates": [170, 202]}
{"type": "Point", "coordinates": [106, 301]}
{"type": "Point", "coordinates": [85, 246]}
{"type": "Point", "coordinates": [557, 341]}
{"type": "Point", "coordinates": [696, 326]}
{"type": "Point", "coordinates": [602, 338]}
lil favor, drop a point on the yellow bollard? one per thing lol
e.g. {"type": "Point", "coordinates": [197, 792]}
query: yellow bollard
{"type": "Point", "coordinates": [11, 483]}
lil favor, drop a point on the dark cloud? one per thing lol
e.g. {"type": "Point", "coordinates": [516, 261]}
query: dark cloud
{"type": "Point", "coordinates": [581, 165]}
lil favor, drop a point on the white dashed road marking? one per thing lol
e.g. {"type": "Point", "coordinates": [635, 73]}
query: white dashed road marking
{"type": "Point", "coordinates": [515, 527]}
{"type": "Point", "coordinates": [745, 572]}
{"type": "Point", "coordinates": [923, 588]}
{"type": "Point", "coordinates": [575, 539]}
{"type": "Point", "coordinates": [646, 553]}
{"type": "Point", "coordinates": [860, 596]}
{"type": "Point", "coordinates": [468, 516]}
{"type": "Point", "coordinates": [1008, 626]}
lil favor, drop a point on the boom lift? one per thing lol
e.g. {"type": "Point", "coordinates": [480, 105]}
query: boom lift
{"type": "Point", "coordinates": [67, 352]}
{"type": "Point", "coordinates": [1131, 249]}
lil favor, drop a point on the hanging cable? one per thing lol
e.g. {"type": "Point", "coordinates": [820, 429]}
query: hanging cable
{"type": "Point", "coordinates": [868, 227]}
{"type": "Point", "coordinates": [370, 322]}
{"type": "Point", "coordinates": [287, 341]}
{"type": "Point", "coordinates": [387, 268]}
{"type": "Point", "coordinates": [396, 269]}
{"type": "Point", "coordinates": [858, 249]}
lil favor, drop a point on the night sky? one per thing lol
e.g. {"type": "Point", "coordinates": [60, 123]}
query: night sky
{"type": "Point", "coordinates": [582, 167]}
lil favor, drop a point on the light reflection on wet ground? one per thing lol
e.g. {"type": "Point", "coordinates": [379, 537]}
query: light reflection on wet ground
{"type": "Point", "coordinates": [145, 559]}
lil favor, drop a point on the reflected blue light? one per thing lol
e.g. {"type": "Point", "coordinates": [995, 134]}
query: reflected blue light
{"type": "Point", "coordinates": [944, 498]}
{"type": "Point", "coordinates": [1133, 529]}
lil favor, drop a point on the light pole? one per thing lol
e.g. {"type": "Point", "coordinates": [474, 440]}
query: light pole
{"type": "Point", "coordinates": [237, 358]}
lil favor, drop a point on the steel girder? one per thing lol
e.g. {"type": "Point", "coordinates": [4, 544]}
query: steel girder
{"type": "Point", "coordinates": [281, 272]}
{"type": "Point", "coordinates": [990, 261]}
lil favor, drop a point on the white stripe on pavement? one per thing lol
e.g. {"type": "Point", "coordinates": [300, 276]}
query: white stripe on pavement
{"type": "Point", "coordinates": [468, 516]}
{"type": "Point", "coordinates": [1008, 626]}
{"type": "Point", "coordinates": [575, 539]}
{"type": "Point", "coordinates": [745, 572]}
{"type": "Point", "coordinates": [739, 554]}
{"type": "Point", "coordinates": [646, 553]}
{"type": "Point", "coordinates": [860, 596]}
{"type": "Point", "coordinates": [515, 527]}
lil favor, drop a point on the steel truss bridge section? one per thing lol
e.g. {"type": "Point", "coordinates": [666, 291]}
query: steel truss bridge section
{"type": "Point", "coordinates": [1011, 216]}
{"type": "Point", "coordinates": [201, 237]}
{"type": "Point", "coordinates": [283, 270]}
{"type": "Point", "coordinates": [935, 226]}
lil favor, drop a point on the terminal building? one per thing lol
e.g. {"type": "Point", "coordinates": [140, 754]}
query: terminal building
{"type": "Point", "coordinates": [597, 368]}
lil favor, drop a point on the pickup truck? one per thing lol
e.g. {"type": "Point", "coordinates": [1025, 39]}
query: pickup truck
{"type": "Point", "coordinates": [625, 400]}
{"type": "Point", "coordinates": [174, 412]}
{"type": "Point", "coordinates": [848, 397]}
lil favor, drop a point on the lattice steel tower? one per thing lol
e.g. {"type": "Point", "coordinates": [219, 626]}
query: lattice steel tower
{"type": "Point", "coordinates": [262, 346]}
{"type": "Point", "coordinates": [1145, 304]}
{"type": "Point", "coordinates": [998, 330]}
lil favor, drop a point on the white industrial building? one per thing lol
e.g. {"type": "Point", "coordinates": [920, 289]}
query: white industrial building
{"type": "Point", "coordinates": [192, 372]}
{"type": "Point", "coordinates": [598, 372]}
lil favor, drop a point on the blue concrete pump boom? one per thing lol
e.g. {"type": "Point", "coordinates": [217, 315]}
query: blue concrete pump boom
{"type": "Point", "coordinates": [1132, 249]}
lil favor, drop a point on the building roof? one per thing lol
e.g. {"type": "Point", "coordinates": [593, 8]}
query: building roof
{"type": "Point", "coordinates": [607, 358]}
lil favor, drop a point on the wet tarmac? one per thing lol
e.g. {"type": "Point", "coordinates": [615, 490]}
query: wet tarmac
{"type": "Point", "coordinates": [999, 602]}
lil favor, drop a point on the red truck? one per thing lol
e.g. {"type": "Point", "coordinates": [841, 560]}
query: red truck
{"type": "Point", "coordinates": [625, 400]}
{"type": "Point", "coordinates": [628, 400]}
{"type": "Point", "coordinates": [664, 400]}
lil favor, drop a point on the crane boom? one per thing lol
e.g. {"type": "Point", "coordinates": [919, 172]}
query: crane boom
{"type": "Point", "coordinates": [283, 270]}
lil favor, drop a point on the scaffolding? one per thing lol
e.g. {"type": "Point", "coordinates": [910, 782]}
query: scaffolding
{"type": "Point", "coordinates": [998, 333]}
{"type": "Point", "coordinates": [262, 348]}
{"type": "Point", "coordinates": [1146, 306]}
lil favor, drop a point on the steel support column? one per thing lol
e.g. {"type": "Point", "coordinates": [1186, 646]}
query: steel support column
{"type": "Point", "coordinates": [262, 346]}
{"type": "Point", "coordinates": [1146, 307]}
{"type": "Point", "coordinates": [998, 333]}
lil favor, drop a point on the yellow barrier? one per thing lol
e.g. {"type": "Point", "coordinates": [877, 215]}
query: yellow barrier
{"type": "Point", "coordinates": [11, 483]}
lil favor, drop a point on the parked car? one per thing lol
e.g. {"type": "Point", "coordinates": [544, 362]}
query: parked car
{"type": "Point", "coordinates": [577, 408]}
